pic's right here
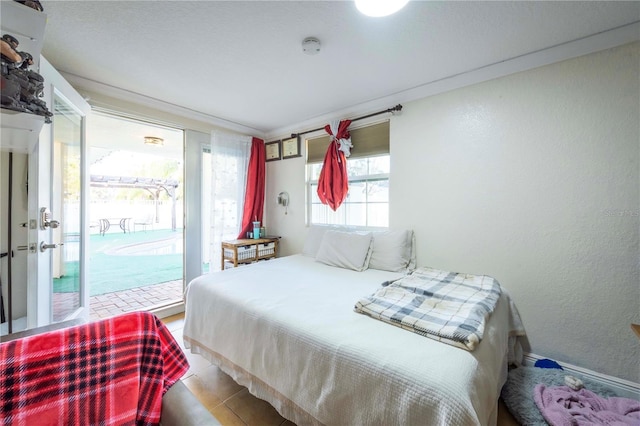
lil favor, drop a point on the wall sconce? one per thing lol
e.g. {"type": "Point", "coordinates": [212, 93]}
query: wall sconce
{"type": "Point", "coordinates": [153, 140]}
{"type": "Point", "coordinates": [283, 200]}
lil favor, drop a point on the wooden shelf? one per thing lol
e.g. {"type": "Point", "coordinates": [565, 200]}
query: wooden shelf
{"type": "Point", "coordinates": [238, 252]}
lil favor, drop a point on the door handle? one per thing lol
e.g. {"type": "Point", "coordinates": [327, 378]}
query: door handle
{"type": "Point", "coordinates": [46, 221]}
{"type": "Point", "coordinates": [44, 246]}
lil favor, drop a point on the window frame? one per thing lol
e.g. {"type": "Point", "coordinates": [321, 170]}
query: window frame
{"type": "Point", "coordinates": [311, 184]}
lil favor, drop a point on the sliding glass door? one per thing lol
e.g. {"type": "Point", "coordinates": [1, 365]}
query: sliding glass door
{"type": "Point", "coordinates": [67, 253]}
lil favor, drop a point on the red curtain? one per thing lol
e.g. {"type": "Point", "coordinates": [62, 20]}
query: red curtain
{"type": "Point", "coordinates": [254, 195]}
{"type": "Point", "coordinates": [333, 183]}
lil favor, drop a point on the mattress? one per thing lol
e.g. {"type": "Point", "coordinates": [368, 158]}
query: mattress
{"type": "Point", "coordinates": [286, 329]}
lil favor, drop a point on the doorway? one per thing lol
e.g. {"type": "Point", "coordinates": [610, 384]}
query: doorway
{"type": "Point", "coordinates": [135, 215]}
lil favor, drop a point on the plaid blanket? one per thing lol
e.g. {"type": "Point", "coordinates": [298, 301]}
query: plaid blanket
{"type": "Point", "coordinates": [109, 372]}
{"type": "Point", "coordinates": [446, 306]}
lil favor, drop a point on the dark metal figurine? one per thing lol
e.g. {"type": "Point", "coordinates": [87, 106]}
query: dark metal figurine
{"type": "Point", "coordinates": [20, 87]}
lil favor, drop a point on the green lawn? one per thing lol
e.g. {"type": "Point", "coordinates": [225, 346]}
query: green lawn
{"type": "Point", "coordinates": [121, 261]}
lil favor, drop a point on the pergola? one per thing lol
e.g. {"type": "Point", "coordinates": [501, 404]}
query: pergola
{"type": "Point", "coordinates": [153, 185]}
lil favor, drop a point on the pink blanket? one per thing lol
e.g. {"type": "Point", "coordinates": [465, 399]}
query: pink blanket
{"type": "Point", "coordinates": [561, 405]}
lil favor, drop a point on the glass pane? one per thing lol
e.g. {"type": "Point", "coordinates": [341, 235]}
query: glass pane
{"type": "Point", "coordinates": [378, 191]}
{"type": "Point", "coordinates": [314, 171]}
{"type": "Point", "coordinates": [319, 214]}
{"type": "Point", "coordinates": [314, 194]}
{"type": "Point", "coordinates": [335, 218]}
{"type": "Point", "coordinates": [67, 133]}
{"type": "Point", "coordinates": [206, 208]}
{"type": "Point", "coordinates": [378, 214]}
{"type": "Point", "coordinates": [357, 167]}
{"type": "Point", "coordinates": [355, 214]}
{"type": "Point", "coordinates": [357, 192]}
{"type": "Point", "coordinates": [379, 164]}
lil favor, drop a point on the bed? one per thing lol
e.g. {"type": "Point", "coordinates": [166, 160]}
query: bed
{"type": "Point", "coordinates": [286, 329]}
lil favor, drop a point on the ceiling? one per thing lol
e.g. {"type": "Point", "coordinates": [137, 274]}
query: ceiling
{"type": "Point", "coordinates": [241, 62]}
{"type": "Point", "coordinates": [115, 143]}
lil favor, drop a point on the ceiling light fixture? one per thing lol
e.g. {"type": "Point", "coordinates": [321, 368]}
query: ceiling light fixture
{"type": "Point", "coordinates": [311, 46]}
{"type": "Point", "coordinates": [153, 140]}
{"type": "Point", "coordinates": [379, 8]}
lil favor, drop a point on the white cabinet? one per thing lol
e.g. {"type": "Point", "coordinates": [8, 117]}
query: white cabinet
{"type": "Point", "coordinates": [20, 130]}
{"type": "Point", "coordinates": [25, 24]}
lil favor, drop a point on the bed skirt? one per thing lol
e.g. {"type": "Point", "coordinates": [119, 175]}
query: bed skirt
{"type": "Point", "coordinates": [258, 388]}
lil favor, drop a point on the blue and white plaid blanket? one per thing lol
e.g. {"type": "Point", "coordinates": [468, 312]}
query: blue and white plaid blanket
{"type": "Point", "coordinates": [446, 306]}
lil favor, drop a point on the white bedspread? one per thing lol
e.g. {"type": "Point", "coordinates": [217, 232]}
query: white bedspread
{"type": "Point", "coordinates": [287, 330]}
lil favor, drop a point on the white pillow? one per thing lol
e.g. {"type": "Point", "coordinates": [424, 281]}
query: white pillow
{"type": "Point", "coordinates": [349, 250]}
{"type": "Point", "coordinates": [313, 240]}
{"type": "Point", "coordinates": [393, 251]}
{"type": "Point", "coordinates": [413, 263]}
{"type": "Point", "coordinates": [314, 237]}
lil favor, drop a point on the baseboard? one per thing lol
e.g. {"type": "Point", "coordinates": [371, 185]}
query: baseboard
{"type": "Point", "coordinates": [624, 388]}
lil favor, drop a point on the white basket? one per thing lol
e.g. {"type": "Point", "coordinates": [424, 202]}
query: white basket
{"type": "Point", "coordinates": [266, 249]}
{"type": "Point", "coordinates": [244, 252]}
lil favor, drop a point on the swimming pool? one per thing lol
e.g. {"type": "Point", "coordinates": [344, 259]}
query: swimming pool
{"type": "Point", "coordinates": [171, 245]}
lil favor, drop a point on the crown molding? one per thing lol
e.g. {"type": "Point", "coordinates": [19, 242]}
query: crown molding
{"type": "Point", "coordinates": [115, 92]}
{"type": "Point", "coordinates": [572, 49]}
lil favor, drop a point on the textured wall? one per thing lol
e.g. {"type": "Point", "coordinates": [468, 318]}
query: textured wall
{"type": "Point", "coordinates": [534, 178]}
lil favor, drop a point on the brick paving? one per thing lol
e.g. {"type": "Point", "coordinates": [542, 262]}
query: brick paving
{"type": "Point", "coordinates": [110, 304]}
{"type": "Point", "coordinates": [135, 299]}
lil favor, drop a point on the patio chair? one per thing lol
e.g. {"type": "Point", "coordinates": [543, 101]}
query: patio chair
{"type": "Point", "coordinates": [104, 226]}
{"type": "Point", "coordinates": [148, 221]}
{"type": "Point", "coordinates": [125, 224]}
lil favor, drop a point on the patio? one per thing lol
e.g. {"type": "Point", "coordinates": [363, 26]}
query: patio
{"type": "Point", "coordinates": [110, 304]}
{"type": "Point", "coordinates": [128, 271]}
{"type": "Point", "coordinates": [141, 298]}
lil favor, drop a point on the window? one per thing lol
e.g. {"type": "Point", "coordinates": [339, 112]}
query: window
{"type": "Point", "coordinates": [367, 203]}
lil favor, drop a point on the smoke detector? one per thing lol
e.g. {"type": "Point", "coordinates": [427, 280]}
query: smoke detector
{"type": "Point", "coordinates": [311, 46]}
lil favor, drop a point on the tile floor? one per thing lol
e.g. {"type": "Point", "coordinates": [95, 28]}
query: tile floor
{"type": "Point", "coordinates": [231, 403]}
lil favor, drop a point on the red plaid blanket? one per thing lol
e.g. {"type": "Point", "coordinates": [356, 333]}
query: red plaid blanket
{"type": "Point", "coordinates": [110, 372]}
